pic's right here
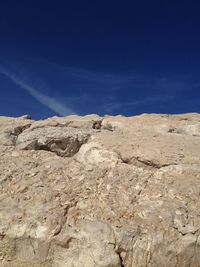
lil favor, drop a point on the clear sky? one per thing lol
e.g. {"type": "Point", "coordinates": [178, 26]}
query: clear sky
{"type": "Point", "coordinates": [105, 57]}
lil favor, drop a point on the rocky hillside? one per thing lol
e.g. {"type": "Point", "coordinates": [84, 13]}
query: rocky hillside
{"type": "Point", "coordinates": [100, 191]}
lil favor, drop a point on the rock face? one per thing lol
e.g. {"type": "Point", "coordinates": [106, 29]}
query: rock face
{"type": "Point", "coordinates": [100, 191]}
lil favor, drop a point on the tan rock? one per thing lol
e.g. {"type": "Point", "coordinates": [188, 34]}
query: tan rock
{"type": "Point", "coordinates": [100, 191]}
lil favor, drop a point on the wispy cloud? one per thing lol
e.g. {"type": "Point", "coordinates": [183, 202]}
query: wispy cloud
{"type": "Point", "coordinates": [114, 105]}
{"type": "Point", "coordinates": [92, 92]}
{"type": "Point", "coordinates": [47, 101]}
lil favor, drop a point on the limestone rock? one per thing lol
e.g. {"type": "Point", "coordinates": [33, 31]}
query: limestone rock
{"type": "Point", "coordinates": [100, 191]}
{"type": "Point", "coordinates": [64, 141]}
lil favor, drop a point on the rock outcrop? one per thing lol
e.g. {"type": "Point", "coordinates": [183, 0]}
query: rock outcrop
{"type": "Point", "coordinates": [100, 191]}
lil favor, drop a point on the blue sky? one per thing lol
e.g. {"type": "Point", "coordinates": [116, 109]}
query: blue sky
{"type": "Point", "coordinates": [104, 57]}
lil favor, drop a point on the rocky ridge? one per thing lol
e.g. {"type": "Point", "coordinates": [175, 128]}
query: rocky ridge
{"type": "Point", "coordinates": [100, 191]}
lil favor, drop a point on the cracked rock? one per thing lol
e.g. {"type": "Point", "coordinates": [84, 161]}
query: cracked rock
{"type": "Point", "coordinates": [96, 191]}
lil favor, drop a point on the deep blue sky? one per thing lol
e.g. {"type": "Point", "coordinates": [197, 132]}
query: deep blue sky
{"type": "Point", "coordinates": [105, 57]}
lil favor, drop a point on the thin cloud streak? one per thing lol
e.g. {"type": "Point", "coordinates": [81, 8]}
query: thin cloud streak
{"type": "Point", "coordinates": [47, 101]}
{"type": "Point", "coordinates": [111, 106]}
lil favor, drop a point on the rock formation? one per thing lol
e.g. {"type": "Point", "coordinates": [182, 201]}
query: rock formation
{"type": "Point", "coordinates": [100, 191]}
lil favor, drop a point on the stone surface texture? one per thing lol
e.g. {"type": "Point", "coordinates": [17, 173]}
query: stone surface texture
{"type": "Point", "coordinates": [100, 191]}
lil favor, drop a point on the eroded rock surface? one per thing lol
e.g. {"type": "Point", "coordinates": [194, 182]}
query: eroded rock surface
{"type": "Point", "coordinates": [100, 191]}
